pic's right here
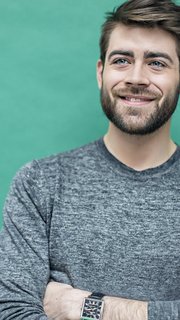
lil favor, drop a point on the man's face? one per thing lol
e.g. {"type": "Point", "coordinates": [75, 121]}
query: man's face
{"type": "Point", "coordinates": [139, 81]}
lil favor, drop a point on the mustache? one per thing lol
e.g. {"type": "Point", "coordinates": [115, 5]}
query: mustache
{"type": "Point", "coordinates": [133, 90]}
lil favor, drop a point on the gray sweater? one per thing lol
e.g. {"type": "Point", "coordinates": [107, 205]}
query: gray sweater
{"type": "Point", "coordinates": [85, 219]}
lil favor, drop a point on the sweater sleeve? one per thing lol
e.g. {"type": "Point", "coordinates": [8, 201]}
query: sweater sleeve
{"type": "Point", "coordinates": [24, 261]}
{"type": "Point", "coordinates": [164, 310]}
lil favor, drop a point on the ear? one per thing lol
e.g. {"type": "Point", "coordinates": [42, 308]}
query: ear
{"type": "Point", "coordinates": [99, 73]}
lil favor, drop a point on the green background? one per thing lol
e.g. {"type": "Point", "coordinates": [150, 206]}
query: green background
{"type": "Point", "coordinates": [49, 101]}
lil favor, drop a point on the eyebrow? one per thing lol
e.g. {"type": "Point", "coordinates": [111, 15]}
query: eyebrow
{"type": "Point", "coordinates": [126, 53]}
{"type": "Point", "coordinates": [150, 54]}
{"type": "Point", "coordinates": [147, 55]}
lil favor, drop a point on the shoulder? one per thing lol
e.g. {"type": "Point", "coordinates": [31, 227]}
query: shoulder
{"type": "Point", "coordinates": [50, 168]}
{"type": "Point", "coordinates": [68, 159]}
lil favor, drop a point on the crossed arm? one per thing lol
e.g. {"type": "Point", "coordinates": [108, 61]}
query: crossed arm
{"type": "Point", "coordinates": [63, 302]}
{"type": "Point", "coordinates": [24, 270]}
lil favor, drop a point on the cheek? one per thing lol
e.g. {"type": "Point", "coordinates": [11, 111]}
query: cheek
{"type": "Point", "coordinates": [166, 85]}
{"type": "Point", "coordinates": [160, 87]}
{"type": "Point", "coordinates": [112, 79]}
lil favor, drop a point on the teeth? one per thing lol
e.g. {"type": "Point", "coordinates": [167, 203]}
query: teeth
{"type": "Point", "coordinates": [133, 99]}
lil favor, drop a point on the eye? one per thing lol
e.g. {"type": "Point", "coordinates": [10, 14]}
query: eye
{"type": "Point", "coordinates": [121, 61]}
{"type": "Point", "coordinates": [157, 64]}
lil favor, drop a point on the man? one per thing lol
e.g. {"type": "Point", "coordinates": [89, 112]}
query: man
{"type": "Point", "coordinates": [105, 217]}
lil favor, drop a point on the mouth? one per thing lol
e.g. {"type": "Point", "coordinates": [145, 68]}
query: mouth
{"type": "Point", "coordinates": [136, 100]}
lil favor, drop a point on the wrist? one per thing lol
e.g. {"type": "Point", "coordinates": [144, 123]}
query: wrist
{"type": "Point", "coordinates": [124, 309]}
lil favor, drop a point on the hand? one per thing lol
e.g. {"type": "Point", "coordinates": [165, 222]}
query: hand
{"type": "Point", "coordinates": [63, 302]}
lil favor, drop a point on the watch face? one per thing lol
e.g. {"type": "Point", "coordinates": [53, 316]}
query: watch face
{"type": "Point", "coordinates": [92, 309]}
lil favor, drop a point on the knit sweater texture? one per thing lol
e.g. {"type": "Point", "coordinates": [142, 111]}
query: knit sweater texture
{"type": "Point", "coordinates": [84, 218]}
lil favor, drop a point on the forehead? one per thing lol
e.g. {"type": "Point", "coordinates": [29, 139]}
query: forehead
{"type": "Point", "coordinates": [142, 40]}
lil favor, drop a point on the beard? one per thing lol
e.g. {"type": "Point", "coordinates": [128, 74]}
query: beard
{"type": "Point", "coordinates": [135, 120]}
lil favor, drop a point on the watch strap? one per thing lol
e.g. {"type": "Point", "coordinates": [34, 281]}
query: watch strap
{"type": "Point", "coordinates": [96, 295]}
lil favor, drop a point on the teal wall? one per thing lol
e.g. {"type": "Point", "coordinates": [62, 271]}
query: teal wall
{"type": "Point", "coordinates": [49, 101]}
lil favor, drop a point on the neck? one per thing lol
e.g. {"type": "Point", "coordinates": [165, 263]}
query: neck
{"type": "Point", "coordinates": [140, 152]}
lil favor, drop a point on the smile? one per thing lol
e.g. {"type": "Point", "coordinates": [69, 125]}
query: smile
{"type": "Point", "coordinates": [136, 100]}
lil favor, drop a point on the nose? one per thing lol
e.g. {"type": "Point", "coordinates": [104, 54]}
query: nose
{"type": "Point", "coordinates": [137, 76]}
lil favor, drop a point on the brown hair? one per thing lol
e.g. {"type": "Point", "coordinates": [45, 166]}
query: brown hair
{"type": "Point", "coordinates": [164, 14]}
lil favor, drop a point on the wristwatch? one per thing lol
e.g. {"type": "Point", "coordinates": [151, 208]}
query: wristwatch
{"type": "Point", "coordinates": [93, 307]}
